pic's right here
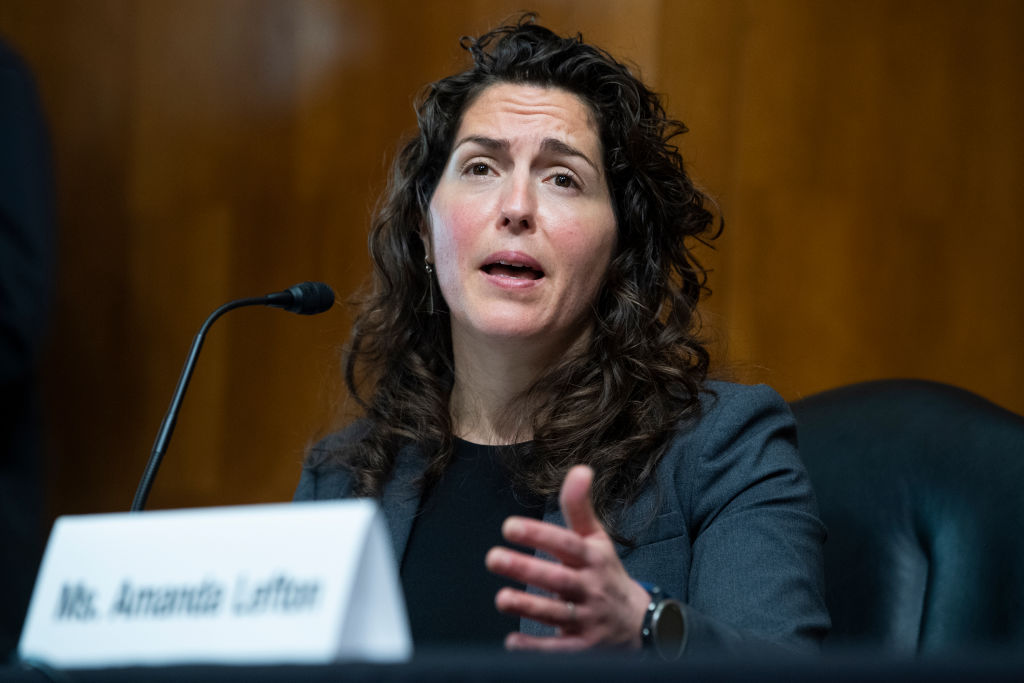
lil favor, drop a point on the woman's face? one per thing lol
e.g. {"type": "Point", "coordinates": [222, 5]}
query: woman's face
{"type": "Point", "coordinates": [521, 223]}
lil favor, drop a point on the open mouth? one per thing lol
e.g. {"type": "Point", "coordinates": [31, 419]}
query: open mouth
{"type": "Point", "coordinates": [512, 269]}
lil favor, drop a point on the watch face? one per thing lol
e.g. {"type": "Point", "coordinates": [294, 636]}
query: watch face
{"type": "Point", "coordinates": [668, 628]}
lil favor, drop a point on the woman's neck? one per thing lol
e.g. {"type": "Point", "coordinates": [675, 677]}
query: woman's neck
{"type": "Point", "coordinates": [491, 377]}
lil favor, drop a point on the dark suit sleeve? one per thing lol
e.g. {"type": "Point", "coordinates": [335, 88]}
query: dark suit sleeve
{"type": "Point", "coordinates": [756, 573]}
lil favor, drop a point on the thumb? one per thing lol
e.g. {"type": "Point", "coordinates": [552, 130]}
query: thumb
{"type": "Point", "coordinates": [574, 500]}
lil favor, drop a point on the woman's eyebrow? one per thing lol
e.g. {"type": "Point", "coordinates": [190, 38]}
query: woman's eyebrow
{"type": "Point", "coordinates": [484, 141]}
{"type": "Point", "coordinates": [550, 145]}
{"type": "Point", "coordinates": [559, 147]}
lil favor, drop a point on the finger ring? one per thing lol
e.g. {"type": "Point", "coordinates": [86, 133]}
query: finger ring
{"type": "Point", "coordinates": [572, 609]}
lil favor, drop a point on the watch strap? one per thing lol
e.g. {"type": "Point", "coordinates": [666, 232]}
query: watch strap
{"type": "Point", "coordinates": [647, 629]}
{"type": "Point", "coordinates": [668, 641]}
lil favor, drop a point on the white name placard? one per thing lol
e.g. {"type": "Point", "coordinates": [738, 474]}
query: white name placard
{"type": "Point", "coordinates": [296, 583]}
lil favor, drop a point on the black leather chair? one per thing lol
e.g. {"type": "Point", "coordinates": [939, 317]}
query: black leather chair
{"type": "Point", "coordinates": [921, 486]}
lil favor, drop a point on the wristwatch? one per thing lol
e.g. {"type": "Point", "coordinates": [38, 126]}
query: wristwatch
{"type": "Point", "coordinates": [664, 627]}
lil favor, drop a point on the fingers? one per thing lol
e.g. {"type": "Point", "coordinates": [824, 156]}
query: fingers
{"type": "Point", "coordinates": [593, 602]}
{"type": "Point", "coordinates": [561, 543]}
{"type": "Point", "coordinates": [568, 545]}
{"type": "Point", "coordinates": [533, 571]}
{"type": "Point", "coordinates": [563, 614]}
{"type": "Point", "coordinates": [568, 643]}
{"type": "Point", "coordinates": [575, 501]}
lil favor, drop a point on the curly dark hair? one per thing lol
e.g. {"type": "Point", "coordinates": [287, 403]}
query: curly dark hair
{"type": "Point", "coordinates": [613, 403]}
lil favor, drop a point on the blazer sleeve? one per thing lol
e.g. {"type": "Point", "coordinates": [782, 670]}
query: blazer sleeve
{"type": "Point", "coordinates": [756, 572]}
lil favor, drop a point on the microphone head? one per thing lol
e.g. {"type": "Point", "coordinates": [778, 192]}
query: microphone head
{"type": "Point", "coordinates": [310, 298]}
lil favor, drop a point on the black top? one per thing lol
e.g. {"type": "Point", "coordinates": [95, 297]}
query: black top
{"type": "Point", "coordinates": [448, 591]}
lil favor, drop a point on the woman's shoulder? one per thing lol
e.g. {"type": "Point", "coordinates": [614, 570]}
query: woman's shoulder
{"type": "Point", "coordinates": [725, 405]}
{"type": "Point", "coordinates": [324, 475]}
{"type": "Point", "coordinates": [330, 450]}
{"type": "Point", "coordinates": [744, 442]}
{"type": "Point", "coordinates": [734, 420]}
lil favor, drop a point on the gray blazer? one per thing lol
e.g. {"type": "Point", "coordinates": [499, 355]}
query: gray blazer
{"type": "Point", "coordinates": [730, 526]}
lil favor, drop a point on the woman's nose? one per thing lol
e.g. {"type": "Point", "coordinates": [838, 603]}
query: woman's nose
{"type": "Point", "coordinates": [519, 204]}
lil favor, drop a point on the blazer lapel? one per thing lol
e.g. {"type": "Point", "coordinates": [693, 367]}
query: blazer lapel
{"type": "Point", "coordinates": [401, 497]}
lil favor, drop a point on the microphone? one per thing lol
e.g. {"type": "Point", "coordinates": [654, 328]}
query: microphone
{"type": "Point", "coordinates": [306, 298]}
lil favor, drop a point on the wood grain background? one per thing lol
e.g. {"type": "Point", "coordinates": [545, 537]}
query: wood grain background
{"type": "Point", "coordinates": [868, 156]}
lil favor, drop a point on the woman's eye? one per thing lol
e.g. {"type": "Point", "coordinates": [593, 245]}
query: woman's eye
{"type": "Point", "coordinates": [478, 169]}
{"type": "Point", "coordinates": [564, 180]}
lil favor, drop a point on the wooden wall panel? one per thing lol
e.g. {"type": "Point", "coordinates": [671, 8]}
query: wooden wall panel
{"type": "Point", "coordinates": [874, 229]}
{"type": "Point", "coordinates": [867, 157]}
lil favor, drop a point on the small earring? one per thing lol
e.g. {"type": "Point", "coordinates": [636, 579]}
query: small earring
{"type": "Point", "coordinates": [430, 285]}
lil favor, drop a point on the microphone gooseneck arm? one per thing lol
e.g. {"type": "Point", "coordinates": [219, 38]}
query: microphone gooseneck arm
{"type": "Point", "coordinates": [308, 298]}
{"type": "Point", "coordinates": [163, 436]}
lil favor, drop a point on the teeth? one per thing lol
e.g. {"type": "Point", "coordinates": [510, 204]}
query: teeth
{"type": "Point", "coordinates": [531, 272]}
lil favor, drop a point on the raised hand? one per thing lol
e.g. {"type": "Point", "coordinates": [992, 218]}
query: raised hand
{"type": "Point", "coordinates": [591, 599]}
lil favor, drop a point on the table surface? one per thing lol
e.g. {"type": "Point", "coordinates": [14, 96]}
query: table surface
{"type": "Point", "coordinates": [450, 666]}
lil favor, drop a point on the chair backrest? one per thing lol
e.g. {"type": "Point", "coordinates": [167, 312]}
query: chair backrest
{"type": "Point", "coordinates": [921, 486]}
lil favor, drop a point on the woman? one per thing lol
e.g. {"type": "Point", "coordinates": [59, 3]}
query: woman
{"type": "Point", "coordinates": [530, 371]}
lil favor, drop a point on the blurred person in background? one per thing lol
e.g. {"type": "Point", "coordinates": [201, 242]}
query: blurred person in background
{"type": "Point", "coordinates": [26, 289]}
